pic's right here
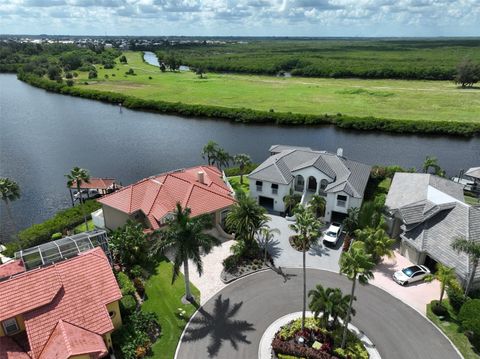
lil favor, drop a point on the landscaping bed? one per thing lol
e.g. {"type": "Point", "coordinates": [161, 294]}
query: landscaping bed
{"type": "Point", "coordinates": [315, 342]}
{"type": "Point", "coordinates": [242, 268]}
{"type": "Point", "coordinates": [293, 240]}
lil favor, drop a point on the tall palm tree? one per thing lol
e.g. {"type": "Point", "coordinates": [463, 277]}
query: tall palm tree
{"type": "Point", "coordinates": [78, 176]}
{"type": "Point", "coordinates": [307, 229]}
{"type": "Point", "coordinates": [317, 205]}
{"type": "Point", "coordinates": [472, 249]}
{"type": "Point", "coordinates": [242, 160]}
{"type": "Point", "coordinates": [266, 234]}
{"type": "Point", "coordinates": [245, 218]}
{"type": "Point", "coordinates": [223, 158]}
{"type": "Point", "coordinates": [350, 224]}
{"type": "Point", "coordinates": [445, 276]}
{"type": "Point", "coordinates": [209, 152]}
{"type": "Point", "coordinates": [186, 237]}
{"type": "Point", "coordinates": [9, 191]}
{"type": "Point", "coordinates": [376, 241]}
{"type": "Point", "coordinates": [355, 264]}
{"type": "Point", "coordinates": [432, 162]}
{"type": "Point", "coordinates": [330, 302]}
{"type": "Point", "coordinates": [291, 200]}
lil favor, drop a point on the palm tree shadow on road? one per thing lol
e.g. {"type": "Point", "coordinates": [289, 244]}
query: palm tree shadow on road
{"type": "Point", "coordinates": [219, 326]}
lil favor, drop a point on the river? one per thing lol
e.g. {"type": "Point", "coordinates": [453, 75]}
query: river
{"type": "Point", "coordinates": [43, 135]}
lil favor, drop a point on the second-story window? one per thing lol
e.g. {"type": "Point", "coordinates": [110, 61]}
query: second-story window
{"type": "Point", "coordinates": [10, 326]}
{"type": "Point", "coordinates": [259, 186]}
{"type": "Point", "coordinates": [274, 188]}
{"type": "Point", "coordinates": [341, 201]}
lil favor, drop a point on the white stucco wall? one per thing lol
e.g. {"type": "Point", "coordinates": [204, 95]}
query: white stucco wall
{"type": "Point", "coordinates": [332, 204]}
{"type": "Point", "coordinates": [312, 171]}
{"type": "Point", "coordinates": [283, 190]}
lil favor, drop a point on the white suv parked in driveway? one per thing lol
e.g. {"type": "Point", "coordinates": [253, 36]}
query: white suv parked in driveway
{"type": "Point", "coordinates": [332, 234]}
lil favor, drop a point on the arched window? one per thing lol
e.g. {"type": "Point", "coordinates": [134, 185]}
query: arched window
{"type": "Point", "coordinates": [312, 184]}
{"type": "Point", "coordinates": [299, 183]}
{"type": "Point", "coordinates": [323, 185]}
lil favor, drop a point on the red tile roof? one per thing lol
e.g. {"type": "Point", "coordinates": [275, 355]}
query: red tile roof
{"type": "Point", "coordinates": [158, 195]}
{"type": "Point", "coordinates": [9, 349]}
{"type": "Point", "coordinates": [94, 183]}
{"type": "Point", "coordinates": [76, 290]}
{"type": "Point", "coordinates": [10, 268]}
{"type": "Point", "coordinates": [69, 340]}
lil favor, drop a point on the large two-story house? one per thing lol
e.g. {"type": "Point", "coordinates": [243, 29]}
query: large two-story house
{"type": "Point", "coordinates": [52, 307]}
{"type": "Point", "coordinates": [427, 213]}
{"type": "Point", "coordinates": [307, 172]}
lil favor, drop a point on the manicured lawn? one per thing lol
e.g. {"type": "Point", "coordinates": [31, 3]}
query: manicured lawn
{"type": "Point", "coordinates": [451, 328]}
{"type": "Point", "coordinates": [164, 299]}
{"type": "Point", "coordinates": [82, 228]}
{"type": "Point", "coordinates": [235, 182]}
{"type": "Point", "coordinates": [393, 99]}
{"type": "Point", "coordinates": [471, 200]}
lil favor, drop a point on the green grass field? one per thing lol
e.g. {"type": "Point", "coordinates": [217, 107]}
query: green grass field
{"type": "Point", "coordinates": [394, 99]}
{"type": "Point", "coordinates": [164, 299]}
{"type": "Point", "coordinates": [235, 183]}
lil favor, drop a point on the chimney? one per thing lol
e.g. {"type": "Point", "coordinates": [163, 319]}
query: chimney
{"type": "Point", "coordinates": [340, 152]}
{"type": "Point", "coordinates": [200, 177]}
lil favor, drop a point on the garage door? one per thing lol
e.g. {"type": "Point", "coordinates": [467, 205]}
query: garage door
{"type": "Point", "coordinates": [266, 202]}
{"type": "Point", "coordinates": [410, 253]}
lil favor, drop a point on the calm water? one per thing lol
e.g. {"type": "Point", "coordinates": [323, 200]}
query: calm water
{"type": "Point", "coordinates": [43, 135]}
{"type": "Point", "coordinates": [152, 59]}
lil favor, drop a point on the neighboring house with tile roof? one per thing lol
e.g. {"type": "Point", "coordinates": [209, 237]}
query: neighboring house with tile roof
{"type": "Point", "coordinates": [307, 172]}
{"type": "Point", "coordinates": [152, 201]}
{"type": "Point", "coordinates": [427, 213]}
{"type": "Point", "coordinates": [63, 310]}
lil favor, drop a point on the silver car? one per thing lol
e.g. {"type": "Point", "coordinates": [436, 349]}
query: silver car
{"type": "Point", "coordinates": [411, 274]}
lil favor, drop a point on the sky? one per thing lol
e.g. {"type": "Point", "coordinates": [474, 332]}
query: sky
{"type": "Point", "coordinates": [365, 18]}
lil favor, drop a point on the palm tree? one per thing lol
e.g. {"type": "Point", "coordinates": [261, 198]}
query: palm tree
{"type": "Point", "coordinates": [376, 241]}
{"type": "Point", "coordinates": [242, 160]}
{"type": "Point", "coordinates": [331, 302]}
{"type": "Point", "coordinates": [78, 176]}
{"type": "Point", "coordinates": [9, 191]}
{"type": "Point", "coordinates": [291, 200]}
{"type": "Point", "coordinates": [245, 218]}
{"type": "Point", "coordinates": [472, 249]}
{"type": "Point", "coordinates": [307, 229]}
{"type": "Point", "coordinates": [266, 234]}
{"type": "Point", "coordinates": [350, 223]}
{"type": "Point", "coordinates": [209, 152]}
{"type": "Point", "coordinates": [370, 215]}
{"type": "Point", "coordinates": [355, 264]}
{"type": "Point", "coordinates": [186, 237]}
{"type": "Point", "coordinates": [445, 276]}
{"type": "Point", "coordinates": [223, 158]}
{"type": "Point", "coordinates": [317, 205]}
{"type": "Point", "coordinates": [432, 162]}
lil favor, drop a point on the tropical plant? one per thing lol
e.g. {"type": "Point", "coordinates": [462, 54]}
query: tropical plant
{"type": "Point", "coordinates": [186, 237]}
{"type": "Point", "coordinates": [432, 162]}
{"type": "Point", "coordinates": [77, 177]}
{"type": "Point", "coordinates": [445, 276]}
{"type": "Point", "coordinates": [328, 302]}
{"type": "Point", "coordinates": [370, 215]}
{"type": "Point", "coordinates": [291, 201]}
{"type": "Point", "coordinates": [317, 205]}
{"type": "Point", "coordinates": [307, 229]}
{"type": "Point", "coordinates": [242, 160]}
{"type": "Point", "coordinates": [472, 249]}
{"type": "Point", "coordinates": [245, 219]}
{"type": "Point", "coordinates": [223, 158]}
{"type": "Point", "coordinates": [376, 241]}
{"type": "Point", "coordinates": [9, 191]}
{"type": "Point", "coordinates": [355, 264]}
{"type": "Point", "coordinates": [350, 223]}
{"type": "Point", "coordinates": [209, 152]}
{"type": "Point", "coordinates": [129, 245]}
{"type": "Point", "coordinates": [266, 235]}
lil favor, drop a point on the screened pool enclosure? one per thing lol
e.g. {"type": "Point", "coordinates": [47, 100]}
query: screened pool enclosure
{"type": "Point", "coordinates": [64, 248]}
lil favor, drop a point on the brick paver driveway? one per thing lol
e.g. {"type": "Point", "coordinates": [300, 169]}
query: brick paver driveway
{"type": "Point", "coordinates": [319, 257]}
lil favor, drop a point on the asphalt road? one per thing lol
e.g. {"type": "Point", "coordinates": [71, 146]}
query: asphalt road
{"type": "Point", "coordinates": [231, 324]}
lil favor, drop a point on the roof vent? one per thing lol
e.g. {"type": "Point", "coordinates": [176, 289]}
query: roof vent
{"type": "Point", "coordinates": [201, 177]}
{"type": "Point", "coordinates": [340, 152]}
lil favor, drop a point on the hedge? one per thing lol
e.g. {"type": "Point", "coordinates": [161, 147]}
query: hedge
{"type": "Point", "coordinates": [41, 233]}
{"type": "Point", "coordinates": [126, 285]}
{"type": "Point", "coordinates": [245, 115]}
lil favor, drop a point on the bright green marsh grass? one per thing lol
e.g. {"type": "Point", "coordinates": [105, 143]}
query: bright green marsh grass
{"type": "Point", "coordinates": [164, 299]}
{"type": "Point", "coordinates": [393, 99]}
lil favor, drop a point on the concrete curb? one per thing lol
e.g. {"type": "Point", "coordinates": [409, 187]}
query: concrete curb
{"type": "Point", "coordinates": [243, 275]}
{"type": "Point", "coordinates": [265, 349]}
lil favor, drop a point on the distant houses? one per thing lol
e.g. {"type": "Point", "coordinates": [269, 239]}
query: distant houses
{"type": "Point", "coordinates": [307, 172]}
{"type": "Point", "coordinates": [152, 200]}
{"type": "Point", "coordinates": [427, 213]}
{"type": "Point", "coordinates": [62, 309]}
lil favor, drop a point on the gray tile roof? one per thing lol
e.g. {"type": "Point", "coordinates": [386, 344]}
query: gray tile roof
{"type": "Point", "coordinates": [408, 188]}
{"type": "Point", "coordinates": [346, 175]}
{"type": "Point", "coordinates": [280, 148]}
{"type": "Point", "coordinates": [473, 172]}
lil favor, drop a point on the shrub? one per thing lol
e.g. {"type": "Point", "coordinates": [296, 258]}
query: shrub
{"type": "Point", "coordinates": [138, 283]}
{"type": "Point", "coordinates": [128, 304]}
{"type": "Point", "coordinates": [92, 74]}
{"type": "Point", "coordinates": [235, 171]}
{"type": "Point", "coordinates": [469, 317]}
{"type": "Point", "coordinates": [137, 271]}
{"type": "Point", "coordinates": [130, 72]}
{"type": "Point", "coordinates": [438, 309]}
{"type": "Point", "coordinates": [456, 297]}
{"type": "Point", "coordinates": [279, 346]}
{"type": "Point", "coordinates": [68, 75]}
{"type": "Point", "coordinates": [125, 284]}
{"type": "Point", "coordinates": [56, 235]}
{"type": "Point", "coordinates": [70, 83]}
{"type": "Point", "coordinates": [230, 263]}
{"type": "Point", "coordinates": [150, 77]}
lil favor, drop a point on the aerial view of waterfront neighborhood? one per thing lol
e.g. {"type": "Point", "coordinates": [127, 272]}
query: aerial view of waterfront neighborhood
{"type": "Point", "coordinates": [239, 179]}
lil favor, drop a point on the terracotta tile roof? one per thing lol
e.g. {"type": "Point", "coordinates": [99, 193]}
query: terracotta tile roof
{"type": "Point", "coordinates": [76, 290]}
{"type": "Point", "coordinates": [10, 268]}
{"type": "Point", "coordinates": [69, 340]}
{"type": "Point", "coordinates": [94, 183]}
{"type": "Point", "coordinates": [9, 349]}
{"type": "Point", "coordinates": [156, 196]}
